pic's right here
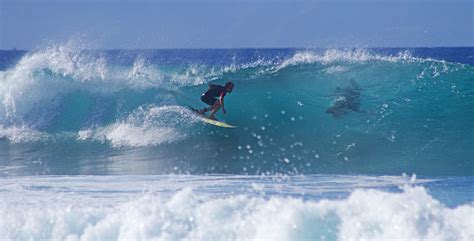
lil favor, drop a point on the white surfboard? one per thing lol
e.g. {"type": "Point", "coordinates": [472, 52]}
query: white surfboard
{"type": "Point", "coordinates": [211, 121]}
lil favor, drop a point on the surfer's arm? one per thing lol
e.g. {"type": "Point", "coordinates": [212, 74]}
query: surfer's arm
{"type": "Point", "coordinates": [221, 100]}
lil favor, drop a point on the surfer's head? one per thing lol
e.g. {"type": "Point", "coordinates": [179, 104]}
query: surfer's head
{"type": "Point", "coordinates": [229, 86]}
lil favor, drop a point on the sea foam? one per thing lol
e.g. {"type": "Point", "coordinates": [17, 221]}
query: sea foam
{"type": "Point", "coordinates": [146, 126]}
{"type": "Point", "coordinates": [365, 215]}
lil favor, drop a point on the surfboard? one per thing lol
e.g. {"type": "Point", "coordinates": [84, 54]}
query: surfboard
{"type": "Point", "coordinates": [206, 119]}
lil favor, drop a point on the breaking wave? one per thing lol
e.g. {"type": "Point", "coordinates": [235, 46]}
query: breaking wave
{"type": "Point", "coordinates": [411, 114]}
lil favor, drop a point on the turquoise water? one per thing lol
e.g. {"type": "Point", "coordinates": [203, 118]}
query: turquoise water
{"type": "Point", "coordinates": [99, 145]}
{"type": "Point", "coordinates": [94, 108]}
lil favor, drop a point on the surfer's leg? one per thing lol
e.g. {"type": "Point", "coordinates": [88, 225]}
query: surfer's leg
{"type": "Point", "coordinates": [208, 100]}
{"type": "Point", "coordinates": [215, 108]}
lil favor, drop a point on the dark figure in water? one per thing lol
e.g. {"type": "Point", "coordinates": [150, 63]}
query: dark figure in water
{"type": "Point", "coordinates": [347, 99]}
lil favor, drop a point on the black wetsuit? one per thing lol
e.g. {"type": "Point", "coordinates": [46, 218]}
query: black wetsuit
{"type": "Point", "coordinates": [213, 94]}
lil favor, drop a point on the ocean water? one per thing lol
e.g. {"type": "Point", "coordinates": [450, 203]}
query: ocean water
{"type": "Point", "coordinates": [99, 144]}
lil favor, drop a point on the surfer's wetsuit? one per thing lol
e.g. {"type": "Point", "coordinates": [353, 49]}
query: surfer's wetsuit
{"type": "Point", "coordinates": [213, 94]}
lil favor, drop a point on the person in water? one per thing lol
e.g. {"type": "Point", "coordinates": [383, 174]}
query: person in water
{"type": "Point", "coordinates": [347, 99]}
{"type": "Point", "coordinates": [211, 95]}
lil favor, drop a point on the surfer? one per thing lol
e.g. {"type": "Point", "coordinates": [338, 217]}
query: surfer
{"type": "Point", "coordinates": [211, 95]}
{"type": "Point", "coordinates": [347, 99]}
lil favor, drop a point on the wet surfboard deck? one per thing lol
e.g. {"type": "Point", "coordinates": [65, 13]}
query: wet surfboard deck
{"type": "Point", "coordinates": [206, 119]}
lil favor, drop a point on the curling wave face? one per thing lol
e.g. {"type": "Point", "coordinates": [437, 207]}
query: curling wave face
{"type": "Point", "coordinates": [412, 112]}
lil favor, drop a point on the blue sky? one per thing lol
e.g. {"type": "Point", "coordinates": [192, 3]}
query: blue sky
{"type": "Point", "coordinates": [29, 24]}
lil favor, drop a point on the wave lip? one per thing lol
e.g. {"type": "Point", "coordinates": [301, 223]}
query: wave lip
{"type": "Point", "coordinates": [345, 55]}
{"type": "Point", "coordinates": [42, 77]}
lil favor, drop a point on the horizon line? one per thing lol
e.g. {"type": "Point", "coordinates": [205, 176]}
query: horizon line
{"type": "Point", "coordinates": [245, 48]}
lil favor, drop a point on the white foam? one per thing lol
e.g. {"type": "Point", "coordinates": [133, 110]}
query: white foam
{"type": "Point", "coordinates": [186, 215]}
{"type": "Point", "coordinates": [21, 134]}
{"type": "Point", "coordinates": [193, 75]}
{"type": "Point", "coordinates": [200, 74]}
{"type": "Point", "coordinates": [147, 126]}
{"type": "Point", "coordinates": [336, 69]}
{"type": "Point", "coordinates": [346, 55]}
{"type": "Point", "coordinates": [143, 75]}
